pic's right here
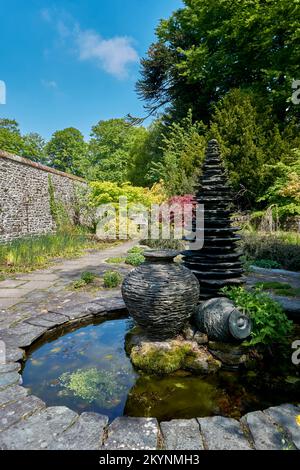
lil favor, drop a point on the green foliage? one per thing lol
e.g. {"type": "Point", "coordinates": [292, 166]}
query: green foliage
{"type": "Point", "coordinates": [67, 151]}
{"type": "Point", "coordinates": [250, 141]}
{"type": "Point", "coordinates": [27, 254]}
{"type": "Point", "coordinates": [116, 260]}
{"type": "Point", "coordinates": [34, 148]}
{"type": "Point", "coordinates": [284, 193]}
{"type": "Point", "coordinates": [87, 277]}
{"type": "Point", "coordinates": [35, 252]}
{"type": "Point", "coordinates": [113, 146]}
{"type": "Point", "coordinates": [79, 284]}
{"type": "Point", "coordinates": [57, 208]}
{"type": "Point", "coordinates": [266, 264]}
{"type": "Point", "coordinates": [208, 47]}
{"type": "Point", "coordinates": [183, 151]}
{"type": "Point", "coordinates": [135, 259]}
{"type": "Point", "coordinates": [103, 386]}
{"type": "Point", "coordinates": [147, 151]}
{"type": "Point", "coordinates": [112, 279]}
{"type": "Point", "coordinates": [270, 325]}
{"type": "Point", "coordinates": [279, 288]}
{"type": "Point", "coordinates": [109, 193]}
{"type": "Point", "coordinates": [281, 248]}
{"type": "Point", "coordinates": [136, 249]}
{"type": "Point", "coordinates": [31, 146]}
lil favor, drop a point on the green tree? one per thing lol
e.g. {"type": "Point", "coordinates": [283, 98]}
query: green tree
{"type": "Point", "coordinates": [209, 47]}
{"type": "Point", "coordinates": [111, 149]}
{"type": "Point", "coordinates": [183, 151]}
{"type": "Point", "coordinates": [67, 151]}
{"type": "Point", "coordinates": [34, 148]}
{"type": "Point", "coordinates": [10, 136]}
{"type": "Point", "coordinates": [146, 151]}
{"type": "Point", "coordinates": [251, 144]}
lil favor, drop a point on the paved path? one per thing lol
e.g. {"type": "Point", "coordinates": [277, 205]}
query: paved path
{"type": "Point", "coordinates": [23, 294]}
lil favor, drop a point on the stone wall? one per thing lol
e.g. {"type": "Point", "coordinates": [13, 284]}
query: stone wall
{"type": "Point", "coordinates": [25, 207]}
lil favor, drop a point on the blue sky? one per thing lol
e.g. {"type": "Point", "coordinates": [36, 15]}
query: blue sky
{"type": "Point", "coordinates": [72, 63]}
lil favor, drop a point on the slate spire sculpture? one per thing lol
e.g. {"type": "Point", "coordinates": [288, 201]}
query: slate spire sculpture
{"type": "Point", "coordinates": [217, 264]}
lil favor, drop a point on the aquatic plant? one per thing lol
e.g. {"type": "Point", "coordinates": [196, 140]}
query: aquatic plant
{"type": "Point", "coordinates": [103, 386]}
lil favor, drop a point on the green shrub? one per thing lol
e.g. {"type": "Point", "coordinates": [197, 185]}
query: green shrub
{"type": "Point", "coordinates": [87, 277]}
{"type": "Point", "coordinates": [266, 264]}
{"type": "Point", "coordinates": [135, 259]}
{"type": "Point", "coordinates": [281, 248]}
{"type": "Point", "coordinates": [136, 249]}
{"type": "Point", "coordinates": [112, 279]}
{"type": "Point", "coordinates": [116, 260]}
{"type": "Point", "coordinates": [270, 324]}
{"type": "Point", "coordinates": [78, 284]}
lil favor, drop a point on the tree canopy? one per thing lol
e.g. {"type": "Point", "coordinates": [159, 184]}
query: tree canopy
{"type": "Point", "coordinates": [209, 47]}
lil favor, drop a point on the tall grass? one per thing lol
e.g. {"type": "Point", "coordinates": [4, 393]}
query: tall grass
{"type": "Point", "coordinates": [31, 253]}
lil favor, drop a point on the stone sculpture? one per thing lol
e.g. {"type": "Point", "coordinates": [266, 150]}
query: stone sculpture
{"type": "Point", "coordinates": [217, 264]}
{"type": "Point", "coordinates": [222, 321]}
{"type": "Point", "coordinates": [160, 295]}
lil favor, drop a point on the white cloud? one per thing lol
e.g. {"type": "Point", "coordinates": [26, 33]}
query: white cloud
{"type": "Point", "coordinates": [113, 55]}
{"type": "Point", "coordinates": [49, 84]}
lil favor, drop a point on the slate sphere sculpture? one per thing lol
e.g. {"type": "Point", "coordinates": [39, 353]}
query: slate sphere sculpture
{"type": "Point", "coordinates": [222, 321]}
{"type": "Point", "coordinates": [161, 295]}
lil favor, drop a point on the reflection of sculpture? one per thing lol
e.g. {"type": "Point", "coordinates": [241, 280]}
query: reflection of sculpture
{"type": "Point", "coordinates": [217, 264]}
{"type": "Point", "coordinates": [160, 295]}
{"type": "Point", "coordinates": [221, 321]}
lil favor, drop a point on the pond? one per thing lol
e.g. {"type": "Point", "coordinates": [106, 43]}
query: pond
{"type": "Point", "coordinates": [87, 369]}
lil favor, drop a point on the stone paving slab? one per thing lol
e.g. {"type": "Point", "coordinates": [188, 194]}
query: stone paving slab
{"type": "Point", "coordinates": [34, 276]}
{"type": "Point", "coordinates": [48, 320]}
{"type": "Point", "coordinates": [13, 412]}
{"type": "Point", "coordinates": [181, 434]}
{"type": "Point", "coordinates": [11, 394]}
{"type": "Point", "coordinates": [11, 283]}
{"type": "Point", "coordinates": [22, 335]}
{"type": "Point", "coordinates": [9, 378]}
{"type": "Point", "coordinates": [7, 303]}
{"type": "Point", "coordinates": [265, 435]}
{"type": "Point", "coordinates": [80, 311]}
{"type": "Point", "coordinates": [132, 434]}
{"type": "Point", "coordinates": [222, 434]}
{"type": "Point", "coordinates": [87, 433]}
{"type": "Point", "coordinates": [39, 431]}
{"type": "Point", "coordinates": [10, 367]}
{"type": "Point", "coordinates": [287, 417]}
{"type": "Point", "coordinates": [14, 353]}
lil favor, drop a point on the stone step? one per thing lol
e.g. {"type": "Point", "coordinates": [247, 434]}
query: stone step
{"type": "Point", "coordinates": [181, 434]}
{"type": "Point", "coordinates": [132, 434]}
{"type": "Point", "coordinates": [221, 433]}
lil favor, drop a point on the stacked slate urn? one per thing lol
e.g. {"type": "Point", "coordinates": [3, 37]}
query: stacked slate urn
{"type": "Point", "coordinates": [217, 264]}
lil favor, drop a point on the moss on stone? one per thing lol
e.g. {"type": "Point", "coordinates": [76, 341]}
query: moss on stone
{"type": "Point", "coordinates": [161, 358]}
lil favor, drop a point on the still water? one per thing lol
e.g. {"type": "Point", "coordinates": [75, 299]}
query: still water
{"type": "Point", "coordinates": [88, 370]}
